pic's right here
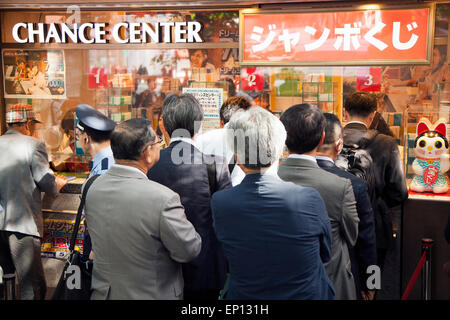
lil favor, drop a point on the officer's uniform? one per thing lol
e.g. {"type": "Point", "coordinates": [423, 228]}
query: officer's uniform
{"type": "Point", "coordinates": [93, 119]}
{"type": "Point", "coordinates": [101, 162]}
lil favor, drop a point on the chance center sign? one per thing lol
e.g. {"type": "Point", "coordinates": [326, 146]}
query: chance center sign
{"type": "Point", "coordinates": [93, 33]}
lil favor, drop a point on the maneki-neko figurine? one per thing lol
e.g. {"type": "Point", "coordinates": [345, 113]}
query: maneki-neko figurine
{"type": "Point", "coordinates": [432, 159]}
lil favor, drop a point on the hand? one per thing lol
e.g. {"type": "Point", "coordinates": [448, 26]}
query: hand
{"type": "Point", "coordinates": [61, 182]}
{"type": "Point", "coordinates": [369, 295]}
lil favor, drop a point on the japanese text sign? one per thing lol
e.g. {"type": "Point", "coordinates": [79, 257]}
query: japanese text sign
{"type": "Point", "coordinates": [379, 36]}
{"type": "Point", "coordinates": [211, 100]}
{"type": "Point", "coordinates": [55, 242]}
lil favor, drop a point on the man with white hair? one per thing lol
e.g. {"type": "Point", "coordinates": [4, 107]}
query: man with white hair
{"type": "Point", "coordinates": [276, 235]}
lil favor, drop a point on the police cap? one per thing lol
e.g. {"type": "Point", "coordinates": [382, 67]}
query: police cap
{"type": "Point", "coordinates": [93, 118]}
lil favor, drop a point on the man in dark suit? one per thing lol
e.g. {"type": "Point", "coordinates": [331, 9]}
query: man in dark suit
{"type": "Point", "coordinates": [364, 253]}
{"type": "Point", "coordinates": [194, 176]}
{"type": "Point", "coordinates": [390, 182]}
{"type": "Point", "coordinates": [276, 235]}
{"type": "Point", "coordinates": [305, 126]}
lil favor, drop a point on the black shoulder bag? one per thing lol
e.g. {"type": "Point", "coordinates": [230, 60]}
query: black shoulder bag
{"type": "Point", "coordinates": [76, 285]}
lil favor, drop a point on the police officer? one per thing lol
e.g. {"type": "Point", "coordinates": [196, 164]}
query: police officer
{"type": "Point", "coordinates": [93, 133]}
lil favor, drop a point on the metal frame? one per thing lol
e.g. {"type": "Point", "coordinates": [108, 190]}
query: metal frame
{"type": "Point", "coordinates": [448, 45]}
{"type": "Point", "coordinates": [430, 38]}
{"type": "Point", "coordinates": [2, 100]}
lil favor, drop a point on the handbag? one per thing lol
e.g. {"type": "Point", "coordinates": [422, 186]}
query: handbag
{"type": "Point", "coordinates": [75, 282]}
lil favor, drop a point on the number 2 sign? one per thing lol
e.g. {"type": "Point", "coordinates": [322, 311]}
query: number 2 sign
{"type": "Point", "coordinates": [368, 79]}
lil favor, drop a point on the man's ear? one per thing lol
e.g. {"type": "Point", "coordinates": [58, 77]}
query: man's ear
{"type": "Point", "coordinates": [345, 115]}
{"type": "Point", "coordinates": [370, 118]}
{"type": "Point", "coordinates": [28, 126]}
{"type": "Point", "coordinates": [339, 145]}
{"type": "Point", "coordinates": [322, 139]}
{"type": "Point", "coordinates": [147, 154]}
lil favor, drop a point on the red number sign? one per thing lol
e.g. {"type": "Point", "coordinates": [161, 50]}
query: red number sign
{"type": "Point", "coordinates": [97, 78]}
{"type": "Point", "coordinates": [252, 80]}
{"type": "Point", "coordinates": [369, 79]}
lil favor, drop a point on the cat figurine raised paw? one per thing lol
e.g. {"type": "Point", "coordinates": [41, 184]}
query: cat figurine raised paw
{"type": "Point", "coordinates": [432, 159]}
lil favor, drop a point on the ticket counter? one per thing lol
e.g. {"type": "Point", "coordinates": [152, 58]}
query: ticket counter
{"type": "Point", "coordinates": [425, 216]}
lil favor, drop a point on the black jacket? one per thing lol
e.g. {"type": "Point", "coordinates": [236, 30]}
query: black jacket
{"type": "Point", "coordinates": [190, 180]}
{"type": "Point", "coordinates": [390, 182]}
{"type": "Point", "coordinates": [447, 230]}
{"type": "Point", "coordinates": [364, 253]}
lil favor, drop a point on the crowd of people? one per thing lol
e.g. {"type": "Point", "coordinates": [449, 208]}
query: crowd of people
{"type": "Point", "coordinates": [214, 210]}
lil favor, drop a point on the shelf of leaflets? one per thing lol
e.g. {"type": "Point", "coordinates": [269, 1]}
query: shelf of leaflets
{"type": "Point", "coordinates": [321, 94]}
{"type": "Point", "coordinates": [444, 101]}
{"type": "Point", "coordinates": [115, 101]}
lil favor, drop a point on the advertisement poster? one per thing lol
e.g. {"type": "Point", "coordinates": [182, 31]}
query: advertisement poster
{"type": "Point", "coordinates": [210, 99]}
{"type": "Point", "coordinates": [38, 74]}
{"type": "Point", "coordinates": [56, 240]}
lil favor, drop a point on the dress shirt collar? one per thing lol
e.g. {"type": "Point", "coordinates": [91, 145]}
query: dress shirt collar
{"type": "Point", "coordinates": [302, 156]}
{"type": "Point", "coordinates": [325, 158]}
{"type": "Point", "coordinates": [129, 168]}
{"type": "Point", "coordinates": [356, 122]}
{"type": "Point", "coordinates": [187, 140]}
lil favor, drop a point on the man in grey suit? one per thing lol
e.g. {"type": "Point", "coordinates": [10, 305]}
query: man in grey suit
{"type": "Point", "coordinates": [138, 227]}
{"type": "Point", "coordinates": [305, 126]}
{"type": "Point", "coordinates": [24, 174]}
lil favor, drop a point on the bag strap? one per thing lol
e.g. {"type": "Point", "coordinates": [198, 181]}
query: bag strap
{"type": "Point", "coordinates": [80, 211]}
{"type": "Point", "coordinates": [231, 165]}
{"type": "Point", "coordinates": [211, 167]}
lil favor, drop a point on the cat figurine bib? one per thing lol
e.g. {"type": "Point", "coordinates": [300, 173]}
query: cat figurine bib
{"type": "Point", "coordinates": [432, 159]}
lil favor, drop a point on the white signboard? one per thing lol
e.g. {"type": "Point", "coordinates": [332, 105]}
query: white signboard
{"type": "Point", "coordinates": [210, 99]}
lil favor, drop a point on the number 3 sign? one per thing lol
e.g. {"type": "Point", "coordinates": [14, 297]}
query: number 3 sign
{"type": "Point", "coordinates": [368, 79]}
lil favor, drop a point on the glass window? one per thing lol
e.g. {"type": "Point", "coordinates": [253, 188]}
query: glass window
{"type": "Point", "coordinates": [120, 83]}
{"type": "Point", "coordinates": [442, 16]}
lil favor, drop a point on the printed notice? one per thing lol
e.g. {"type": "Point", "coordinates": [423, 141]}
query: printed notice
{"type": "Point", "coordinates": [210, 99]}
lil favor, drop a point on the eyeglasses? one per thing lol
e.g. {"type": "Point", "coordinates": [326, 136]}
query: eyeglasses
{"type": "Point", "coordinates": [159, 139]}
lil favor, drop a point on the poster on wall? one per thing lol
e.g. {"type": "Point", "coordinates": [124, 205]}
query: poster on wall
{"type": "Point", "coordinates": [38, 74]}
{"type": "Point", "coordinates": [210, 99]}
